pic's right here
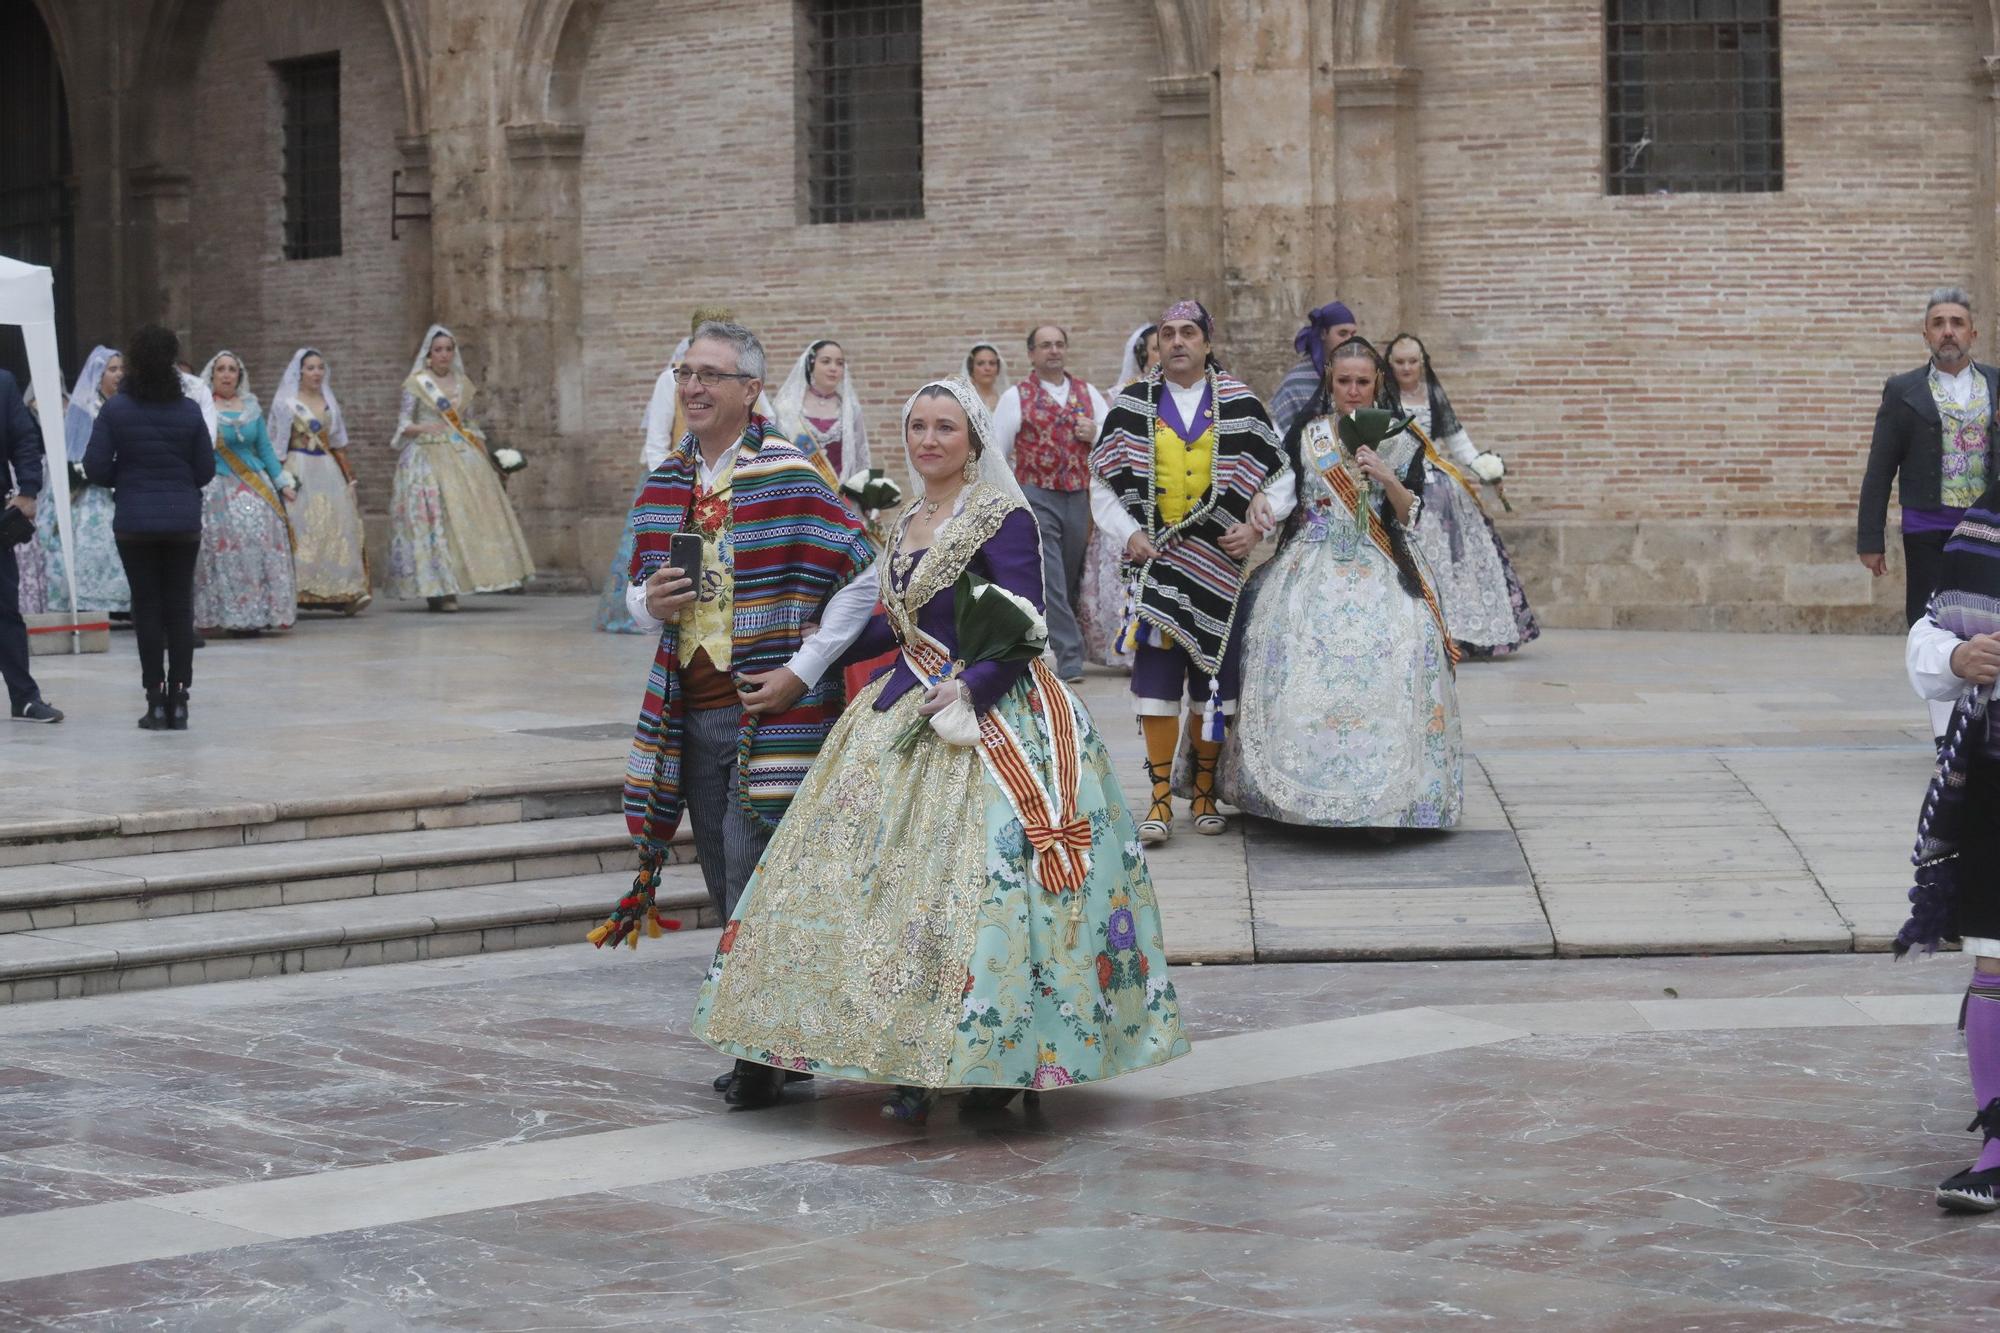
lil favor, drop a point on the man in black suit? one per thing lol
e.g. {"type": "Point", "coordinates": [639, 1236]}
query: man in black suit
{"type": "Point", "coordinates": [1934, 436]}
{"type": "Point", "coordinates": [20, 453]}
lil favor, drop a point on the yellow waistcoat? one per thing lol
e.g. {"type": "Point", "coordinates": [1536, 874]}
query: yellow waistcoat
{"type": "Point", "coordinates": [710, 620]}
{"type": "Point", "coordinates": [1180, 470]}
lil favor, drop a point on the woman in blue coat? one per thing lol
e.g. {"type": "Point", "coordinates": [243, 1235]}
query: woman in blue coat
{"type": "Point", "coordinates": [152, 448]}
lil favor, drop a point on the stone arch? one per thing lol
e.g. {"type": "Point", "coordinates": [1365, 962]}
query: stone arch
{"type": "Point", "coordinates": [545, 82]}
{"type": "Point", "coordinates": [56, 22]}
{"type": "Point", "coordinates": [1371, 34]}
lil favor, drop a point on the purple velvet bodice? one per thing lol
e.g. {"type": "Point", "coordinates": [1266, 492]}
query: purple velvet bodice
{"type": "Point", "coordinates": [1012, 558]}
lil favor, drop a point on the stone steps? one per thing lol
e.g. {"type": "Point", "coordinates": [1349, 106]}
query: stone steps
{"type": "Point", "coordinates": [171, 828]}
{"type": "Point", "coordinates": [232, 944]}
{"type": "Point", "coordinates": [48, 896]}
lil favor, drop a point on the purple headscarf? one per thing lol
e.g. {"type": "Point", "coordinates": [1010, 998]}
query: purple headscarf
{"type": "Point", "coordinates": [1310, 341]}
{"type": "Point", "coordinates": [1191, 310]}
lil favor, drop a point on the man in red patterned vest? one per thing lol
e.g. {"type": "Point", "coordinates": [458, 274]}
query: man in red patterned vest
{"type": "Point", "coordinates": [1045, 426]}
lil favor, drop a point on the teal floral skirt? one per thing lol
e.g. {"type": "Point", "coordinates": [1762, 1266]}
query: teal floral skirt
{"type": "Point", "coordinates": [895, 932]}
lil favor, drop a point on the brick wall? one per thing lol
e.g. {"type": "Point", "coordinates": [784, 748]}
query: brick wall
{"type": "Point", "coordinates": [366, 307]}
{"type": "Point", "coordinates": [1042, 190]}
{"type": "Point", "coordinates": [1656, 366]}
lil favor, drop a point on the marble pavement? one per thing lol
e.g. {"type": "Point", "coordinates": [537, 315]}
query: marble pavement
{"type": "Point", "coordinates": [1626, 792]}
{"type": "Point", "coordinates": [1480, 1120]}
{"type": "Point", "coordinates": [526, 1142]}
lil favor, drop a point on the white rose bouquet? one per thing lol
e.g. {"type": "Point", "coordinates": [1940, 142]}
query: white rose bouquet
{"type": "Point", "coordinates": [509, 461]}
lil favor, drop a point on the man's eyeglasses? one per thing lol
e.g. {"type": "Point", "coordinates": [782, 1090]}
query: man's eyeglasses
{"type": "Point", "coordinates": [708, 379]}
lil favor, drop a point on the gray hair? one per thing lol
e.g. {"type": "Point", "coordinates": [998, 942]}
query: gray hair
{"type": "Point", "coordinates": [749, 352]}
{"type": "Point", "coordinates": [1947, 296]}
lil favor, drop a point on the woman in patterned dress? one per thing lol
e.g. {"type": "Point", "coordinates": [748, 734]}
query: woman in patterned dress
{"type": "Point", "coordinates": [969, 910]}
{"type": "Point", "coordinates": [452, 528]}
{"type": "Point", "coordinates": [1484, 603]}
{"type": "Point", "coordinates": [243, 576]}
{"type": "Point", "coordinates": [100, 574]}
{"type": "Point", "coordinates": [309, 433]}
{"type": "Point", "coordinates": [1349, 711]}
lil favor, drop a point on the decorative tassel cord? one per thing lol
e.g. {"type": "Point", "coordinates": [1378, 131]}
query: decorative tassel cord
{"type": "Point", "coordinates": [640, 907]}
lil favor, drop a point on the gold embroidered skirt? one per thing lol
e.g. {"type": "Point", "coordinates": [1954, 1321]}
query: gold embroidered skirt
{"type": "Point", "coordinates": [895, 932]}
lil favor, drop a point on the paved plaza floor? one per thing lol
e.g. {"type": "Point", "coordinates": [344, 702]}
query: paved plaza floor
{"type": "Point", "coordinates": [527, 1141]}
{"type": "Point", "coordinates": [1434, 1102]}
{"type": "Point", "coordinates": [1625, 792]}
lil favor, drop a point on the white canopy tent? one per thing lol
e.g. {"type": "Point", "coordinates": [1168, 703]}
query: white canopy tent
{"type": "Point", "coordinates": [28, 298]}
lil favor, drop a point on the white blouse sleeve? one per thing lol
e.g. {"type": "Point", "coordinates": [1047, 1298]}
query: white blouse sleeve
{"type": "Point", "coordinates": [1109, 515]}
{"type": "Point", "coordinates": [407, 413]}
{"type": "Point", "coordinates": [1457, 446]}
{"type": "Point", "coordinates": [1927, 657]}
{"type": "Point", "coordinates": [846, 615]}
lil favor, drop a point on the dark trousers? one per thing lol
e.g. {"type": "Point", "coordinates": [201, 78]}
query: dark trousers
{"type": "Point", "coordinates": [161, 572]}
{"type": "Point", "coordinates": [1923, 560]}
{"type": "Point", "coordinates": [21, 689]}
{"type": "Point", "coordinates": [728, 843]}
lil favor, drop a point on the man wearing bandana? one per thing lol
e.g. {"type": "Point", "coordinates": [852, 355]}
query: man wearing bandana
{"type": "Point", "coordinates": [1326, 328]}
{"type": "Point", "coordinates": [1186, 476]}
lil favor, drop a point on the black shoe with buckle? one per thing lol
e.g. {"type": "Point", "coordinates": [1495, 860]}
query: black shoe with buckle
{"type": "Point", "coordinates": [1972, 1191]}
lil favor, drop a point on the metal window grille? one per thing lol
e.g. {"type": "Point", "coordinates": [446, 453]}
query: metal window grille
{"type": "Point", "coordinates": [862, 121]}
{"type": "Point", "coordinates": [312, 156]}
{"type": "Point", "coordinates": [1691, 97]}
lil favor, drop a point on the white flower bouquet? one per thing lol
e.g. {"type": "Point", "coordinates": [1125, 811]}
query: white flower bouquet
{"type": "Point", "coordinates": [509, 461]}
{"type": "Point", "coordinates": [993, 625]}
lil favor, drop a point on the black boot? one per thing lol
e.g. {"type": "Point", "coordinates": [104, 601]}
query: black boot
{"type": "Point", "coordinates": [155, 716]}
{"type": "Point", "coordinates": [177, 708]}
{"type": "Point", "coordinates": [754, 1087]}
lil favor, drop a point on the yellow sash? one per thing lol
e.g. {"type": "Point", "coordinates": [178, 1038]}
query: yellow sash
{"type": "Point", "coordinates": [441, 401]}
{"type": "Point", "coordinates": [257, 482]}
{"type": "Point", "coordinates": [1325, 450]}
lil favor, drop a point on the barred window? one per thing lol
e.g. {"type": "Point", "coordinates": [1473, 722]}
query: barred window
{"type": "Point", "coordinates": [861, 123]}
{"type": "Point", "coordinates": [1691, 97]}
{"type": "Point", "coordinates": [312, 156]}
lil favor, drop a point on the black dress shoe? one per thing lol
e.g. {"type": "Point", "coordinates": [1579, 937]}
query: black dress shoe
{"type": "Point", "coordinates": [721, 1083]}
{"type": "Point", "coordinates": [754, 1086]}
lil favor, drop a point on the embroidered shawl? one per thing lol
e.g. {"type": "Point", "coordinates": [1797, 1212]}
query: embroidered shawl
{"type": "Point", "coordinates": [1967, 602]}
{"type": "Point", "coordinates": [1189, 593]}
{"type": "Point", "coordinates": [795, 545]}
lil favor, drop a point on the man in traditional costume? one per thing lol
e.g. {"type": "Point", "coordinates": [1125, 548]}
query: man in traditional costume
{"type": "Point", "coordinates": [1325, 329]}
{"type": "Point", "coordinates": [1187, 475]}
{"type": "Point", "coordinates": [739, 701]}
{"type": "Point", "coordinates": [1045, 426]}
{"type": "Point", "coordinates": [1953, 657]}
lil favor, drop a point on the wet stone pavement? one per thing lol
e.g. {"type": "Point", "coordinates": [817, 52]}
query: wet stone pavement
{"type": "Point", "coordinates": [527, 1141]}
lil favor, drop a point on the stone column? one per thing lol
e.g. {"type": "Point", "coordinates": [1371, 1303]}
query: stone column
{"type": "Point", "coordinates": [1375, 185]}
{"type": "Point", "coordinates": [161, 258]}
{"type": "Point", "coordinates": [506, 258]}
{"type": "Point", "coordinates": [1265, 103]}
{"type": "Point", "coordinates": [1188, 187]}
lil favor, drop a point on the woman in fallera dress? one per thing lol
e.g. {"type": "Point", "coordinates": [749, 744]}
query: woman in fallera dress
{"type": "Point", "coordinates": [309, 434]}
{"type": "Point", "coordinates": [100, 574]}
{"type": "Point", "coordinates": [986, 372]}
{"type": "Point", "coordinates": [243, 576]}
{"type": "Point", "coordinates": [962, 913]}
{"type": "Point", "coordinates": [819, 410]}
{"type": "Point", "coordinates": [1349, 711]}
{"type": "Point", "coordinates": [1101, 603]}
{"type": "Point", "coordinates": [453, 530]}
{"type": "Point", "coordinates": [1484, 603]}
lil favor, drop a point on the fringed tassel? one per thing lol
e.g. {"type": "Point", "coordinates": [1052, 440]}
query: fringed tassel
{"type": "Point", "coordinates": [637, 910]}
{"type": "Point", "coordinates": [1212, 715]}
{"type": "Point", "coordinates": [1075, 917]}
